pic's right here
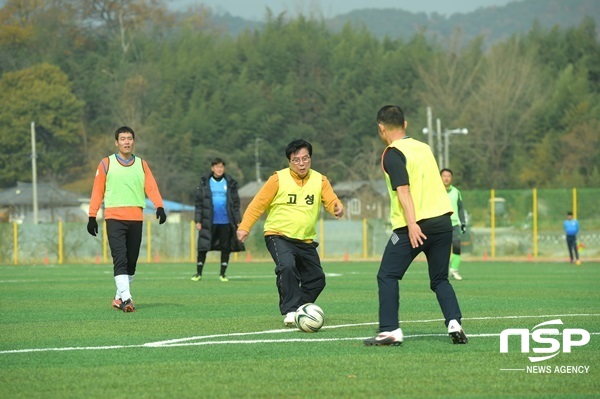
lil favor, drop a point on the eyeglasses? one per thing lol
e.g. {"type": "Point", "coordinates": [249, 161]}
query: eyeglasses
{"type": "Point", "coordinates": [296, 161]}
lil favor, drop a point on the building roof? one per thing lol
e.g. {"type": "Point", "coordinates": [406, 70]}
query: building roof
{"type": "Point", "coordinates": [170, 206]}
{"type": "Point", "coordinates": [249, 190]}
{"type": "Point", "coordinates": [380, 186]}
{"type": "Point", "coordinates": [348, 188]}
{"type": "Point", "coordinates": [48, 195]}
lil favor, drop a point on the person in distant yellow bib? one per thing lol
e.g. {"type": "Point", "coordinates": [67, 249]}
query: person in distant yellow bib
{"type": "Point", "coordinates": [293, 198]}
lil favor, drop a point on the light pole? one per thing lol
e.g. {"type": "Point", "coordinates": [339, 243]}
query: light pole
{"type": "Point", "coordinates": [430, 126]}
{"type": "Point", "coordinates": [447, 134]}
{"type": "Point", "coordinates": [257, 140]}
{"type": "Point", "coordinates": [34, 174]}
{"type": "Point", "coordinates": [444, 159]}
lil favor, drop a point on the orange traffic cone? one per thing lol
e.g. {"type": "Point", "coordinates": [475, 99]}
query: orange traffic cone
{"type": "Point", "coordinates": [97, 259]}
{"type": "Point", "coordinates": [248, 256]}
{"type": "Point", "coordinates": [346, 256]}
{"type": "Point", "coordinates": [485, 257]}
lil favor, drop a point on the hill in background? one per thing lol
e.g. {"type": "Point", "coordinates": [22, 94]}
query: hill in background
{"type": "Point", "coordinates": [494, 23]}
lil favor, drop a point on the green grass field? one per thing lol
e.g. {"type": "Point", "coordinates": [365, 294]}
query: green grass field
{"type": "Point", "coordinates": [61, 339]}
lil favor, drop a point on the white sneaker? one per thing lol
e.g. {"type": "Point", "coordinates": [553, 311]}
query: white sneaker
{"type": "Point", "coordinates": [456, 333]}
{"type": "Point", "coordinates": [386, 338]}
{"type": "Point", "coordinates": [455, 274]}
{"type": "Point", "coordinates": [289, 320]}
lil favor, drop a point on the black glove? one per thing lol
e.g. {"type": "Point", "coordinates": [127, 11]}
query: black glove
{"type": "Point", "coordinates": [161, 215]}
{"type": "Point", "coordinates": [92, 226]}
{"type": "Point", "coordinates": [463, 228]}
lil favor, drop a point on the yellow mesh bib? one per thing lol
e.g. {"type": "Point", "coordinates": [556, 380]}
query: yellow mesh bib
{"type": "Point", "coordinates": [295, 210]}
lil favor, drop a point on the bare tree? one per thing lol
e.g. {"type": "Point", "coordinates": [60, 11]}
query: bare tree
{"type": "Point", "coordinates": [500, 110]}
{"type": "Point", "coordinates": [449, 77]}
{"type": "Point", "coordinates": [580, 149]}
{"type": "Point", "coordinates": [367, 163]}
{"type": "Point", "coordinates": [122, 18]}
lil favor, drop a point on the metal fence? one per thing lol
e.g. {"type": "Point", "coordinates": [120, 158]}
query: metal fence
{"type": "Point", "coordinates": [529, 223]}
{"type": "Point", "coordinates": [502, 224]}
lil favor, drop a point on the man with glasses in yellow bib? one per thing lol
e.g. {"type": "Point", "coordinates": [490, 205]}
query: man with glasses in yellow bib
{"type": "Point", "coordinates": [293, 197]}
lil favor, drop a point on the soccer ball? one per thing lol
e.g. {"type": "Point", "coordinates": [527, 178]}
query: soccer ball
{"type": "Point", "coordinates": [309, 317]}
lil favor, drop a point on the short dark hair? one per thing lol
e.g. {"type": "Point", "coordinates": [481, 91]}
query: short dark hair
{"type": "Point", "coordinates": [124, 129]}
{"type": "Point", "coordinates": [569, 213]}
{"type": "Point", "coordinates": [217, 161]}
{"type": "Point", "coordinates": [446, 170]}
{"type": "Point", "coordinates": [296, 146]}
{"type": "Point", "coordinates": [391, 115]}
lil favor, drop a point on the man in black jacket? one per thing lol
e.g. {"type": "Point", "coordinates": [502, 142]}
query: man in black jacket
{"type": "Point", "coordinates": [217, 217]}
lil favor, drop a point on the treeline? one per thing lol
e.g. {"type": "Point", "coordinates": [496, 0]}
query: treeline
{"type": "Point", "coordinates": [81, 68]}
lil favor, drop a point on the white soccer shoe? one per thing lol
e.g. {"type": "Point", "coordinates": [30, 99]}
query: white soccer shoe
{"type": "Point", "coordinates": [289, 320]}
{"type": "Point", "coordinates": [456, 333]}
{"type": "Point", "coordinates": [455, 274]}
{"type": "Point", "coordinates": [386, 338]}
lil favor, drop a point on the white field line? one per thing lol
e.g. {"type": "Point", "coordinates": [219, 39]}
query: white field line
{"type": "Point", "coordinates": [182, 341]}
{"type": "Point", "coordinates": [174, 341]}
{"type": "Point", "coordinates": [148, 276]}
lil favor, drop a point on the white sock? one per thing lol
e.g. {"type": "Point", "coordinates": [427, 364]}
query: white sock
{"type": "Point", "coordinates": [118, 295]}
{"type": "Point", "coordinates": [122, 281]}
{"type": "Point", "coordinates": [454, 325]}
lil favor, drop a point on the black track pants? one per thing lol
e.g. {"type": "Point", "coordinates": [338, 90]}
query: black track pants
{"type": "Point", "coordinates": [397, 257]}
{"type": "Point", "coordinates": [300, 277]}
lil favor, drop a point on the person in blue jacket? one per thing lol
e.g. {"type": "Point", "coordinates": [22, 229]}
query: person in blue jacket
{"type": "Point", "coordinates": [217, 217]}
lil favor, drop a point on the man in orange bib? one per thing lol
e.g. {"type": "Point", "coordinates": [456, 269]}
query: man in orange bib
{"type": "Point", "coordinates": [123, 181]}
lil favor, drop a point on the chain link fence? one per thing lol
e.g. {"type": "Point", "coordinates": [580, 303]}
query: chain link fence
{"type": "Point", "coordinates": [519, 228]}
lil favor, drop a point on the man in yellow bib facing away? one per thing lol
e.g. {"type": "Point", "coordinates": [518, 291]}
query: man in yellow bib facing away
{"type": "Point", "coordinates": [293, 197]}
{"type": "Point", "coordinates": [420, 215]}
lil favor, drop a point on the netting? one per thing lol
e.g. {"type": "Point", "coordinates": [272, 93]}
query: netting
{"type": "Point", "coordinates": [515, 219]}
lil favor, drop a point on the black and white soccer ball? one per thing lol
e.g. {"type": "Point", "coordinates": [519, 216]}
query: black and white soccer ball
{"type": "Point", "coordinates": [309, 317]}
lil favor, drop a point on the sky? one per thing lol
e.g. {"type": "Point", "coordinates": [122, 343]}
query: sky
{"type": "Point", "coordinates": [255, 9]}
